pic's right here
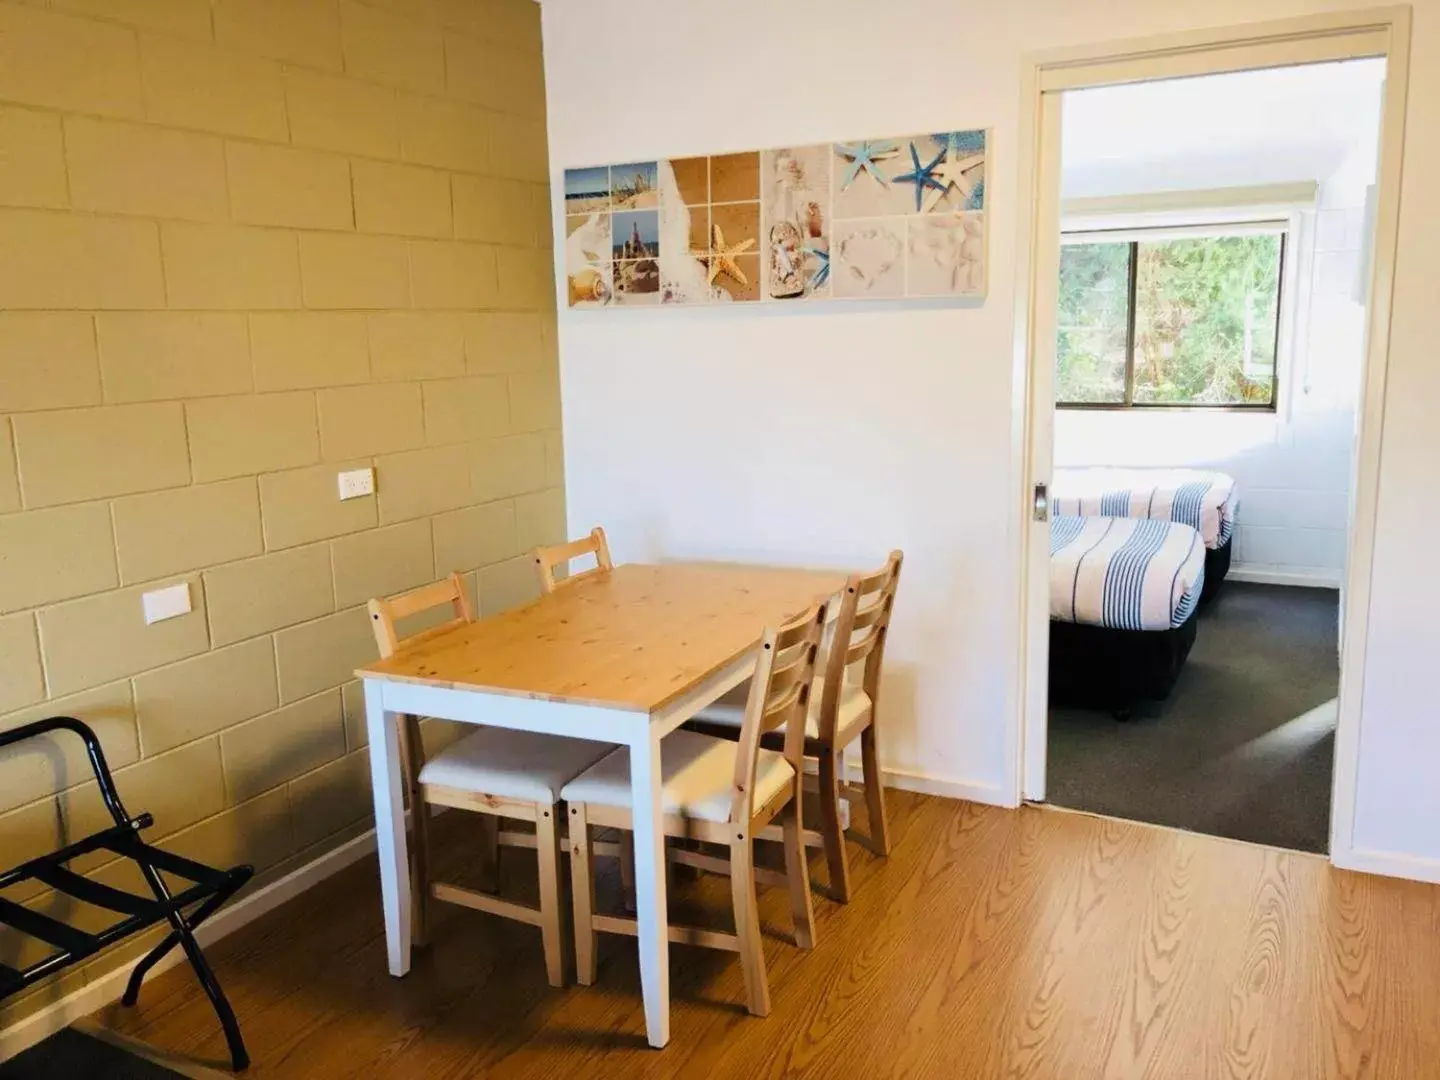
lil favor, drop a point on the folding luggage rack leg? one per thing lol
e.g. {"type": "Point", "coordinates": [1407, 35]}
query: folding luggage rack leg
{"type": "Point", "coordinates": [182, 933]}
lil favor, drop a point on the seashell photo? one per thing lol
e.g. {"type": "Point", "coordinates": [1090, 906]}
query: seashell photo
{"type": "Point", "coordinates": [946, 255]}
{"type": "Point", "coordinates": [869, 258]}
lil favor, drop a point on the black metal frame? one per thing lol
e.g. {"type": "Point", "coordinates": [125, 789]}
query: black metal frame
{"type": "Point", "coordinates": [1129, 403]}
{"type": "Point", "coordinates": [210, 890]}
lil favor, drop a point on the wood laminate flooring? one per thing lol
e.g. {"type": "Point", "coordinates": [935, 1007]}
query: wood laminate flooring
{"type": "Point", "coordinates": [992, 943]}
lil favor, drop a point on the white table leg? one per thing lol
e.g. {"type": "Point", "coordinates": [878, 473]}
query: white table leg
{"type": "Point", "coordinates": [650, 910]}
{"type": "Point", "coordinates": [389, 826]}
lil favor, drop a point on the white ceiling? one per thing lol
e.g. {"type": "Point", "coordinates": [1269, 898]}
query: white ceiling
{"type": "Point", "coordinates": [1236, 130]}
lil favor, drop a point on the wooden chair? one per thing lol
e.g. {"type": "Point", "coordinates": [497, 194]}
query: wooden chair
{"type": "Point", "coordinates": [720, 791]}
{"type": "Point", "coordinates": [842, 709]}
{"type": "Point", "coordinates": [548, 558]}
{"type": "Point", "coordinates": [492, 771]}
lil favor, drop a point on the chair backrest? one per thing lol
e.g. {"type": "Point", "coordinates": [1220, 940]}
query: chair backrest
{"type": "Point", "coordinates": [861, 628]}
{"type": "Point", "coordinates": [548, 558]}
{"type": "Point", "coordinates": [779, 698]}
{"type": "Point", "coordinates": [384, 614]}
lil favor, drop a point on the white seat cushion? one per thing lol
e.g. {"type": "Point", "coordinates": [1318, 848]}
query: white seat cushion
{"type": "Point", "coordinates": [730, 709]}
{"type": "Point", "coordinates": [513, 764]}
{"type": "Point", "coordinates": [698, 772]}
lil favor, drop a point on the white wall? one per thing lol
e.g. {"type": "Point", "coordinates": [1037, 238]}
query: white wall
{"type": "Point", "coordinates": [1294, 467]}
{"type": "Point", "coordinates": [830, 434]}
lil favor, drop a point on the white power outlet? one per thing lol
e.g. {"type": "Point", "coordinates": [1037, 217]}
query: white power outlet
{"type": "Point", "coordinates": [357, 483]}
{"type": "Point", "coordinates": [166, 603]}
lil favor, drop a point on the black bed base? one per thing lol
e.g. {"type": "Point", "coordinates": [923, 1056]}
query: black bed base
{"type": "Point", "coordinates": [1217, 565]}
{"type": "Point", "coordinates": [1092, 667]}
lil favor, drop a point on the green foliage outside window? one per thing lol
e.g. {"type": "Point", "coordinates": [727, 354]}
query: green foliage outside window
{"type": "Point", "coordinates": [1202, 329]}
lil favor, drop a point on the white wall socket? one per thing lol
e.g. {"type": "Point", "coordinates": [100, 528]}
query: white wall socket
{"type": "Point", "coordinates": [166, 603]}
{"type": "Point", "coordinates": [357, 482]}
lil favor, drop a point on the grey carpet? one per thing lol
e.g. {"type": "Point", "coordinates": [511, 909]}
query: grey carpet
{"type": "Point", "coordinates": [1244, 745]}
{"type": "Point", "coordinates": [73, 1055]}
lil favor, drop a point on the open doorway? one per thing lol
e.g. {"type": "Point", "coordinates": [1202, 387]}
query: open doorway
{"type": "Point", "coordinates": [1209, 354]}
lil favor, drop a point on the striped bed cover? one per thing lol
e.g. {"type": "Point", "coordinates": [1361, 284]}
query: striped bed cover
{"type": "Point", "coordinates": [1124, 573]}
{"type": "Point", "coordinates": [1203, 500]}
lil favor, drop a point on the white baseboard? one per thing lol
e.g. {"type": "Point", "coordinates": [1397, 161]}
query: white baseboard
{"type": "Point", "coordinates": [1389, 864]}
{"type": "Point", "coordinates": [108, 987]}
{"type": "Point", "coordinates": [945, 787]}
{"type": "Point", "coordinates": [1304, 577]}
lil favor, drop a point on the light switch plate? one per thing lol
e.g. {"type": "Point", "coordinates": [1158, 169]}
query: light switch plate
{"type": "Point", "coordinates": [357, 483]}
{"type": "Point", "coordinates": [166, 603]}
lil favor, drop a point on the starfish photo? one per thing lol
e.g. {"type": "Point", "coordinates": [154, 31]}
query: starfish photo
{"type": "Point", "coordinates": [863, 157]}
{"type": "Point", "coordinates": [822, 272]}
{"type": "Point", "coordinates": [721, 257]}
{"type": "Point", "coordinates": [961, 143]}
{"type": "Point", "coordinates": [951, 173]}
{"type": "Point", "coordinates": [923, 176]}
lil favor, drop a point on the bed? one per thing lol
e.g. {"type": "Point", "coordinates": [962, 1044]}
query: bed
{"type": "Point", "coordinates": [1206, 501]}
{"type": "Point", "coordinates": [1123, 596]}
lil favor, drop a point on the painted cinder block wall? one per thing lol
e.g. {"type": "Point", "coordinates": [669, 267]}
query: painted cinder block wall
{"type": "Point", "coordinates": [243, 245]}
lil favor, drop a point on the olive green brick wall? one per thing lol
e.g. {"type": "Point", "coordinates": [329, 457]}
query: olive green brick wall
{"type": "Point", "coordinates": [245, 244]}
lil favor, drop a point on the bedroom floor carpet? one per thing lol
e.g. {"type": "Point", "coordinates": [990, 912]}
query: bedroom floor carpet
{"type": "Point", "coordinates": [1243, 747]}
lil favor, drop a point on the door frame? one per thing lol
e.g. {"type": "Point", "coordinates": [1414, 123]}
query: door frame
{"type": "Point", "coordinates": [1308, 39]}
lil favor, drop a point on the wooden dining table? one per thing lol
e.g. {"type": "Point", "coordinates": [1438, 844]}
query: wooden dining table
{"type": "Point", "coordinates": [624, 656]}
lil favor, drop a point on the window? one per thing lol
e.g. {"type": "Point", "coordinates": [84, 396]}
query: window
{"type": "Point", "coordinates": [1173, 317]}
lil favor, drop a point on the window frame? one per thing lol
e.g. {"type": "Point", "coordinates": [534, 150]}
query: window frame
{"type": "Point", "coordinates": [1134, 236]}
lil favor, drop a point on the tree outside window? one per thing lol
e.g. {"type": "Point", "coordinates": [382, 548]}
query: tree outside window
{"type": "Point", "coordinates": [1174, 321]}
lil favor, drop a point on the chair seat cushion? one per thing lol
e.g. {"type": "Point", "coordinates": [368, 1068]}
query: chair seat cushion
{"type": "Point", "coordinates": [698, 772]}
{"type": "Point", "coordinates": [730, 709]}
{"type": "Point", "coordinates": [513, 764]}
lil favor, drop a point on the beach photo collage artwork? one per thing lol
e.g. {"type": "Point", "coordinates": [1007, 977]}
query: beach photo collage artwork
{"type": "Point", "coordinates": [878, 219]}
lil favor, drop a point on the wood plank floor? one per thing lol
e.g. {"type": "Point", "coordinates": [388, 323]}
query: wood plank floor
{"type": "Point", "coordinates": [993, 943]}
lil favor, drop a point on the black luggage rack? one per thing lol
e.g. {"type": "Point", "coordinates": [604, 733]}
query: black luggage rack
{"type": "Point", "coordinates": [210, 889]}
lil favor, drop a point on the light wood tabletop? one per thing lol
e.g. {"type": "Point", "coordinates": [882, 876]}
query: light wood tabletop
{"type": "Point", "coordinates": [634, 638]}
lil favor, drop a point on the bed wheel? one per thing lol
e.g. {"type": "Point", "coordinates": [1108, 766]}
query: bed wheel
{"type": "Point", "coordinates": [1124, 713]}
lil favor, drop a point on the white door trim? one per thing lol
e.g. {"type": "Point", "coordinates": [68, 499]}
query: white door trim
{"type": "Point", "coordinates": [1309, 39]}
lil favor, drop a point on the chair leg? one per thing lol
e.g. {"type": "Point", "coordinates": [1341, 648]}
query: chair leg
{"type": "Point", "coordinates": [552, 917]}
{"type": "Point", "coordinates": [420, 874]}
{"type": "Point", "coordinates": [874, 791]}
{"type": "Point", "coordinates": [489, 853]}
{"type": "Point", "coordinates": [627, 869]}
{"type": "Point", "coordinates": [830, 825]}
{"type": "Point", "coordinates": [797, 875]}
{"type": "Point", "coordinates": [747, 925]}
{"type": "Point", "coordinates": [582, 890]}
{"type": "Point", "coordinates": [412, 753]}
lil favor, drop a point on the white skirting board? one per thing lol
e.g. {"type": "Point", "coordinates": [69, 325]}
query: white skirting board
{"type": "Point", "coordinates": [102, 991]}
{"type": "Point", "coordinates": [1305, 577]}
{"type": "Point", "coordinates": [946, 788]}
{"type": "Point", "coordinates": [1388, 864]}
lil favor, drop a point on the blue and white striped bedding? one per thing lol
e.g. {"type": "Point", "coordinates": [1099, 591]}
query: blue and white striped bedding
{"type": "Point", "coordinates": [1203, 500]}
{"type": "Point", "coordinates": [1124, 573]}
